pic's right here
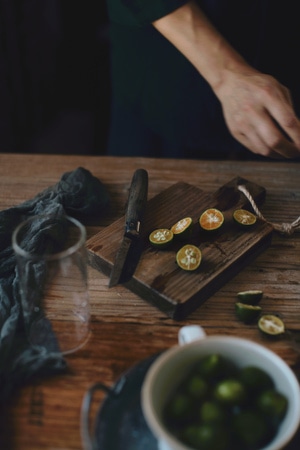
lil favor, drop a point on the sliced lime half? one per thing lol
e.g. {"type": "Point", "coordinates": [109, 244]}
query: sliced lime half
{"type": "Point", "coordinates": [252, 297]}
{"type": "Point", "coordinates": [271, 324]}
{"type": "Point", "coordinates": [247, 313]}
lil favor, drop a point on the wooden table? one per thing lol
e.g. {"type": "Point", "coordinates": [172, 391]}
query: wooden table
{"type": "Point", "coordinates": [45, 414]}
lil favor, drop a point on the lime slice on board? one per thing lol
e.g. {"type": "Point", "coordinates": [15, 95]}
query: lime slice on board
{"type": "Point", "coordinates": [161, 237]}
{"type": "Point", "coordinates": [211, 219]}
{"type": "Point", "coordinates": [244, 217]}
{"type": "Point", "coordinates": [189, 257]}
{"type": "Point", "coordinates": [182, 228]}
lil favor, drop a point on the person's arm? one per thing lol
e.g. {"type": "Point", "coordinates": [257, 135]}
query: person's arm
{"type": "Point", "coordinates": [253, 103]}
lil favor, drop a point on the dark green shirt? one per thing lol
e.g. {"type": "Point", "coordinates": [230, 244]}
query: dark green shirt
{"type": "Point", "coordinates": [140, 12]}
{"type": "Point", "coordinates": [154, 80]}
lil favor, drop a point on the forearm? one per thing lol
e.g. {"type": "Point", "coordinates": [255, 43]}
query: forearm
{"type": "Point", "coordinates": [190, 31]}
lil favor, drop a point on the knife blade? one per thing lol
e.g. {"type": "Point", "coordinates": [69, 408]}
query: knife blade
{"type": "Point", "coordinates": [129, 252]}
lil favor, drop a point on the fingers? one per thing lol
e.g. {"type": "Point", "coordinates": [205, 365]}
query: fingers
{"type": "Point", "coordinates": [274, 139]}
{"type": "Point", "coordinates": [254, 143]}
{"type": "Point", "coordinates": [274, 147]}
{"type": "Point", "coordinates": [286, 123]}
{"type": "Point", "coordinates": [259, 113]}
{"type": "Point", "coordinates": [263, 136]}
{"type": "Point", "coordinates": [277, 123]}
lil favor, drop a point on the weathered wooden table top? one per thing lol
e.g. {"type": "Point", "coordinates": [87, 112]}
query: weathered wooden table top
{"type": "Point", "coordinates": [45, 414]}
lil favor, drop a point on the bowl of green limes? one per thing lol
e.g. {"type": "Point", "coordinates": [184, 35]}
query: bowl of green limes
{"type": "Point", "coordinates": [220, 393]}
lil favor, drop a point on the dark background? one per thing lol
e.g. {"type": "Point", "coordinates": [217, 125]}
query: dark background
{"type": "Point", "coordinates": [54, 76]}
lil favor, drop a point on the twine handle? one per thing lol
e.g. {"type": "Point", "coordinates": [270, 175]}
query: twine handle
{"type": "Point", "coordinates": [284, 228]}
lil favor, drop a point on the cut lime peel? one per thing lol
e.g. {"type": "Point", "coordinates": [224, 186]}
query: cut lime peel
{"type": "Point", "coordinates": [247, 313]}
{"type": "Point", "coordinates": [251, 297]}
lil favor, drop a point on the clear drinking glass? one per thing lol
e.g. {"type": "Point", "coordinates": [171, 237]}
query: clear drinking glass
{"type": "Point", "coordinates": [52, 273]}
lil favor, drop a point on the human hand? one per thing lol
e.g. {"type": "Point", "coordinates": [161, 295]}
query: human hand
{"type": "Point", "coordinates": [257, 108]}
{"type": "Point", "coordinates": [259, 113]}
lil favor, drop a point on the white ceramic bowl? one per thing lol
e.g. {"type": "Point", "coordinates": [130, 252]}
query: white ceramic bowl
{"type": "Point", "coordinates": [165, 373]}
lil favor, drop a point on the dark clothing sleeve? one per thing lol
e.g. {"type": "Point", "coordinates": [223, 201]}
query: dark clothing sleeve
{"type": "Point", "coordinates": [141, 12]}
{"type": "Point", "coordinates": [157, 85]}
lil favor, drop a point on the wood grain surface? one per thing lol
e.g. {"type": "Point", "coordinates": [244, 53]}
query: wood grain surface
{"type": "Point", "coordinates": [125, 329]}
{"type": "Point", "coordinates": [158, 279]}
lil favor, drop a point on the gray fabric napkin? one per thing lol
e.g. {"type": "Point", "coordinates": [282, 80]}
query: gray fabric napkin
{"type": "Point", "coordinates": [78, 194]}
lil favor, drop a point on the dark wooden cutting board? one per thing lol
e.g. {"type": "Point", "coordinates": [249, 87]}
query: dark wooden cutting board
{"type": "Point", "coordinates": [157, 278]}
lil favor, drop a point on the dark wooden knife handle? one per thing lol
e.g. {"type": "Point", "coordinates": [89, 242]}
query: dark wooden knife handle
{"type": "Point", "coordinates": [137, 200]}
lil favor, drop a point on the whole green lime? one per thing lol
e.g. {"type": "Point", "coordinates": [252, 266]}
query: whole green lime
{"type": "Point", "coordinates": [207, 437]}
{"type": "Point", "coordinates": [230, 392]}
{"type": "Point", "coordinates": [273, 404]}
{"type": "Point", "coordinates": [255, 379]}
{"type": "Point", "coordinates": [215, 366]}
{"type": "Point", "coordinates": [179, 407]}
{"type": "Point", "coordinates": [212, 412]}
{"type": "Point", "coordinates": [247, 313]}
{"type": "Point", "coordinates": [197, 386]}
{"type": "Point", "coordinates": [250, 429]}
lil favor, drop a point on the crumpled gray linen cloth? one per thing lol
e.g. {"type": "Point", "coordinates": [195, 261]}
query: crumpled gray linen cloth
{"type": "Point", "coordinates": [77, 194]}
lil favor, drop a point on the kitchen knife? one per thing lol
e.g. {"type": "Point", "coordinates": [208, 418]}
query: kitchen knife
{"type": "Point", "coordinates": [129, 252]}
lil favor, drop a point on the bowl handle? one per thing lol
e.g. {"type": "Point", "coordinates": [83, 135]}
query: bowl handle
{"type": "Point", "coordinates": [190, 333]}
{"type": "Point", "coordinates": [88, 441]}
